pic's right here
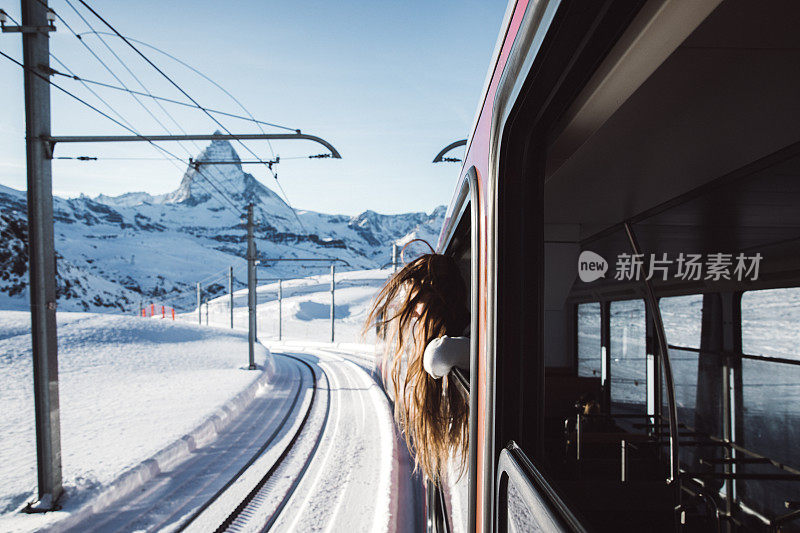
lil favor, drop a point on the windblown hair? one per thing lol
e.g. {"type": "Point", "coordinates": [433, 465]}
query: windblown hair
{"type": "Point", "coordinates": [423, 301]}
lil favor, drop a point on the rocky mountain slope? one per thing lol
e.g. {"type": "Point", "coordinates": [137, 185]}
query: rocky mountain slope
{"type": "Point", "coordinates": [116, 252]}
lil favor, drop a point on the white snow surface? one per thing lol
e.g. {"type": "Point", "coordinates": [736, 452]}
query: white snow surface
{"type": "Point", "coordinates": [114, 253]}
{"type": "Point", "coordinates": [305, 307]}
{"type": "Point", "coordinates": [129, 387]}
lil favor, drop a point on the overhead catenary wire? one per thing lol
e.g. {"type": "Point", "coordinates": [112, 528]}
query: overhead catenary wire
{"type": "Point", "coordinates": [210, 80]}
{"type": "Point", "coordinates": [86, 158]}
{"type": "Point", "coordinates": [109, 117]}
{"type": "Point", "coordinates": [249, 118]}
{"type": "Point", "coordinates": [217, 186]}
{"type": "Point", "coordinates": [89, 49]}
{"type": "Point", "coordinates": [187, 95]}
{"type": "Point", "coordinates": [168, 156]}
{"type": "Point", "coordinates": [122, 119]}
{"type": "Point", "coordinates": [258, 124]}
{"type": "Point", "coordinates": [171, 101]}
{"type": "Point", "coordinates": [207, 78]}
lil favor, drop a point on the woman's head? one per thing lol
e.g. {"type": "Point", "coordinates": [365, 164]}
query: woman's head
{"type": "Point", "coordinates": [426, 299]}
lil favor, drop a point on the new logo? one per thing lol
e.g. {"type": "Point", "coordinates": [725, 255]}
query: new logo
{"type": "Point", "coordinates": [591, 266]}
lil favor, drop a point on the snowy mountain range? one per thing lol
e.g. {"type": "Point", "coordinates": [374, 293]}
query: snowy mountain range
{"type": "Point", "coordinates": [114, 253]}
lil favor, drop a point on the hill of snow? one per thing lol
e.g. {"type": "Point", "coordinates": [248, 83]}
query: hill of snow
{"type": "Point", "coordinates": [115, 252]}
{"type": "Point", "coordinates": [128, 387]}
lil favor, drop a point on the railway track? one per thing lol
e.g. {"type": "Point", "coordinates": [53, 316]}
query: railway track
{"type": "Point", "coordinates": [255, 497]}
{"type": "Point", "coordinates": [327, 477]}
{"type": "Point", "coordinates": [313, 453]}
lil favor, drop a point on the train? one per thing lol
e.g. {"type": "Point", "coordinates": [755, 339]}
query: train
{"type": "Point", "coordinates": [627, 217]}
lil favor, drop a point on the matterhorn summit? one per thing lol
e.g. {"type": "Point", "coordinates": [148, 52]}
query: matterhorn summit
{"type": "Point", "coordinates": [188, 235]}
{"type": "Point", "coordinates": [217, 171]}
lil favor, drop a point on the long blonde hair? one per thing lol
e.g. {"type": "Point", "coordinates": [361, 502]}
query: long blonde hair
{"type": "Point", "coordinates": [423, 301]}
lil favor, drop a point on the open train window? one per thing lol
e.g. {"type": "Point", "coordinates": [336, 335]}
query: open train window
{"type": "Point", "coordinates": [460, 248]}
{"type": "Point", "coordinates": [451, 502]}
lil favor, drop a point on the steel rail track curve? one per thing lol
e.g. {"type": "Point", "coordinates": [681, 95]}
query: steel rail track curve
{"type": "Point", "coordinates": [232, 523]}
{"type": "Point", "coordinates": [261, 450]}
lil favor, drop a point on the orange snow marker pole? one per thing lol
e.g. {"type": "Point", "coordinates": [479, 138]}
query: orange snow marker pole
{"type": "Point", "coordinates": [173, 313]}
{"type": "Point", "coordinates": [152, 309]}
{"type": "Point", "coordinates": [162, 312]}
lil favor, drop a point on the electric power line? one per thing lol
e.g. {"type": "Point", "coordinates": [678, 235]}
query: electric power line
{"type": "Point", "coordinates": [274, 175]}
{"type": "Point", "coordinates": [106, 115]}
{"type": "Point", "coordinates": [149, 112]}
{"type": "Point", "coordinates": [201, 74]}
{"type": "Point", "coordinates": [169, 100]}
{"type": "Point", "coordinates": [163, 157]}
{"type": "Point", "coordinates": [171, 81]}
{"type": "Point", "coordinates": [129, 126]}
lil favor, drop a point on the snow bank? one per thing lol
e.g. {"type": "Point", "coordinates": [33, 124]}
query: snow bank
{"type": "Point", "coordinates": [130, 387]}
{"type": "Point", "coordinates": [305, 307]}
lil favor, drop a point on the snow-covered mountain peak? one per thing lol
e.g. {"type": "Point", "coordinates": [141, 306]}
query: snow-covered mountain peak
{"type": "Point", "coordinates": [219, 150]}
{"type": "Point", "coordinates": [218, 172]}
{"type": "Point", "coordinates": [115, 251]}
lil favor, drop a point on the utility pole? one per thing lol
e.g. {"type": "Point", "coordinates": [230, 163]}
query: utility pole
{"type": "Point", "coordinates": [36, 24]}
{"type": "Point", "coordinates": [280, 308]}
{"type": "Point", "coordinates": [206, 311]}
{"type": "Point", "coordinates": [333, 298]}
{"type": "Point", "coordinates": [230, 290]}
{"type": "Point", "coordinates": [394, 257]}
{"type": "Point", "coordinates": [251, 286]}
{"type": "Point", "coordinates": [199, 305]}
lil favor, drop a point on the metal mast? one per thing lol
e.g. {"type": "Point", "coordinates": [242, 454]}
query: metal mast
{"type": "Point", "coordinates": [251, 286]}
{"type": "Point", "coordinates": [41, 249]}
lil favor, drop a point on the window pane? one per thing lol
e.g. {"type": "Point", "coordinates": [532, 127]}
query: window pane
{"type": "Point", "coordinates": [628, 356]}
{"type": "Point", "coordinates": [771, 323]}
{"type": "Point", "coordinates": [589, 361]}
{"type": "Point", "coordinates": [683, 317]}
{"type": "Point", "coordinates": [771, 391]}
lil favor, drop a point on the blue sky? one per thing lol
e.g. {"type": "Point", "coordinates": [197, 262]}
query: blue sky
{"type": "Point", "coordinates": [387, 83]}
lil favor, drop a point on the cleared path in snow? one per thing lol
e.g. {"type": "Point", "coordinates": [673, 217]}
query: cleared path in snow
{"type": "Point", "coordinates": [346, 471]}
{"type": "Point", "coordinates": [166, 501]}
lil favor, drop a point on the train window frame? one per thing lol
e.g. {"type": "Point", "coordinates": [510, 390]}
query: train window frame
{"type": "Point", "coordinates": [532, 93]}
{"type": "Point", "coordinates": [465, 218]}
{"type": "Point", "coordinates": [520, 156]}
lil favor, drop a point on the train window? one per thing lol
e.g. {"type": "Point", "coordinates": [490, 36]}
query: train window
{"type": "Point", "coordinates": [770, 322]}
{"type": "Point", "coordinates": [771, 392]}
{"type": "Point", "coordinates": [625, 207]}
{"type": "Point", "coordinates": [628, 357]}
{"type": "Point", "coordinates": [698, 408]}
{"type": "Point", "coordinates": [682, 318]}
{"type": "Point", "coordinates": [589, 347]}
{"type": "Point", "coordinates": [452, 498]}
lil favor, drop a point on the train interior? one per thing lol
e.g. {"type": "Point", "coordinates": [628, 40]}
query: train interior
{"type": "Point", "coordinates": [671, 384]}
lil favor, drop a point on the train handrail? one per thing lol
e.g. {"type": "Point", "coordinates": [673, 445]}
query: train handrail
{"type": "Point", "coordinates": [666, 366]}
{"type": "Point", "coordinates": [514, 466]}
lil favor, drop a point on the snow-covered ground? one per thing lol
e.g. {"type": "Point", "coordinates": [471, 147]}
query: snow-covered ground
{"type": "Point", "coordinates": [128, 387]}
{"type": "Point", "coordinates": [115, 253]}
{"type": "Point", "coordinates": [305, 307]}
